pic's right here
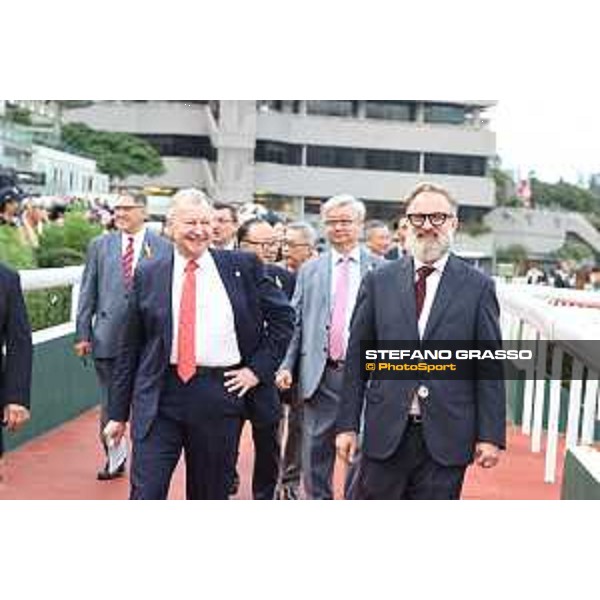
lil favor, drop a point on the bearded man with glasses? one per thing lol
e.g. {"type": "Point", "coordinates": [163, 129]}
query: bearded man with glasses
{"type": "Point", "coordinates": [420, 434]}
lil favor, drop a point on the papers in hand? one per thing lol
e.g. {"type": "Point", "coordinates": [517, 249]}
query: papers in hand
{"type": "Point", "coordinates": [117, 454]}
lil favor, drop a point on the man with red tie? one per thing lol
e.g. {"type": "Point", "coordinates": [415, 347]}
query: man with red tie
{"type": "Point", "coordinates": [105, 288]}
{"type": "Point", "coordinates": [205, 333]}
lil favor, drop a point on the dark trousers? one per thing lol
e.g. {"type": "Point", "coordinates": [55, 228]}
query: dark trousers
{"type": "Point", "coordinates": [267, 450]}
{"type": "Point", "coordinates": [409, 474]}
{"type": "Point", "coordinates": [104, 369]}
{"type": "Point", "coordinates": [202, 419]}
{"type": "Point", "coordinates": [292, 423]}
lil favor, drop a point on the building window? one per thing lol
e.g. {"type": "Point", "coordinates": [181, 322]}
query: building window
{"type": "Point", "coordinates": [362, 158]}
{"type": "Point", "coordinates": [332, 108]}
{"type": "Point", "coordinates": [393, 110]}
{"type": "Point", "coordinates": [191, 146]}
{"type": "Point", "coordinates": [278, 153]}
{"type": "Point", "coordinates": [285, 106]}
{"type": "Point", "coordinates": [455, 164]}
{"type": "Point", "coordinates": [444, 113]}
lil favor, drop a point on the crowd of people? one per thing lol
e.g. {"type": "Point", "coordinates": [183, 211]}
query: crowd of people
{"type": "Point", "coordinates": [564, 274]}
{"type": "Point", "coordinates": [236, 316]}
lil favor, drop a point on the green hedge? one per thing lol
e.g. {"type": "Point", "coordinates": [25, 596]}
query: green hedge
{"type": "Point", "coordinates": [47, 308]}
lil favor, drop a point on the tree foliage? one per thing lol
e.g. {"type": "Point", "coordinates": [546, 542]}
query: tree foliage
{"type": "Point", "coordinates": [566, 196]}
{"type": "Point", "coordinates": [119, 155]}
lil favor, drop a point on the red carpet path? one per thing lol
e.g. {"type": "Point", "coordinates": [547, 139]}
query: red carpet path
{"type": "Point", "coordinates": [62, 465]}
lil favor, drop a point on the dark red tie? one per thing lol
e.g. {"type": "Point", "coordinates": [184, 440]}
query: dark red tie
{"type": "Point", "coordinates": [186, 332]}
{"type": "Point", "coordinates": [420, 287]}
{"type": "Point", "coordinates": [127, 262]}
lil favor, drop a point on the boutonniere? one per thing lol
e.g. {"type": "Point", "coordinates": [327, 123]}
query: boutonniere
{"type": "Point", "coordinates": [147, 251]}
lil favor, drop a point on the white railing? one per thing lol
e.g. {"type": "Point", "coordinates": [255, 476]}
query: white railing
{"type": "Point", "coordinates": [571, 320]}
{"type": "Point", "coordinates": [41, 279]}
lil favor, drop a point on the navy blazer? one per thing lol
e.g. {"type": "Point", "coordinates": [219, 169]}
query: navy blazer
{"type": "Point", "coordinates": [457, 414]}
{"type": "Point", "coordinates": [263, 323]}
{"type": "Point", "coordinates": [15, 336]}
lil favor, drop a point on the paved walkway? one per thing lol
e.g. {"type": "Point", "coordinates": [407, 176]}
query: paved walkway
{"type": "Point", "coordinates": [62, 465]}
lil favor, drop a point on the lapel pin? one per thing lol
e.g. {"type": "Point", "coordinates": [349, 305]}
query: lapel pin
{"type": "Point", "coordinates": [238, 274]}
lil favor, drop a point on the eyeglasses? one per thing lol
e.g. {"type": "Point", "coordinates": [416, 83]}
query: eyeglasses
{"type": "Point", "coordinates": [263, 245]}
{"type": "Point", "coordinates": [294, 245]}
{"type": "Point", "coordinates": [436, 219]}
{"type": "Point", "coordinates": [340, 222]}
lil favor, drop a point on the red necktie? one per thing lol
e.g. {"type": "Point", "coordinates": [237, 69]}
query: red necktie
{"type": "Point", "coordinates": [186, 341]}
{"type": "Point", "coordinates": [127, 262]}
{"type": "Point", "coordinates": [420, 287]}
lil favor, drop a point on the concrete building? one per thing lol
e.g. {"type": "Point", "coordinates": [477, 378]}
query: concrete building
{"type": "Point", "coordinates": [292, 154]}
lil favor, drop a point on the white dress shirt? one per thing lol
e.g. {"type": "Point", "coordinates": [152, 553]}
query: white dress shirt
{"type": "Point", "coordinates": [353, 284]}
{"type": "Point", "coordinates": [431, 285]}
{"type": "Point", "coordinates": [138, 243]}
{"type": "Point", "coordinates": [216, 340]}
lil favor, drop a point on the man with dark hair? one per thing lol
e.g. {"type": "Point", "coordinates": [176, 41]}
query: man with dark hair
{"type": "Point", "coordinates": [10, 198]}
{"type": "Point", "coordinates": [258, 237]}
{"type": "Point", "coordinates": [225, 226]}
{"type": "Point", "coordinates": [106, 285]}
{"type": "Point", "coordinates": [377, 238]}
{"type": "Point", "coordinates": [15, 355]}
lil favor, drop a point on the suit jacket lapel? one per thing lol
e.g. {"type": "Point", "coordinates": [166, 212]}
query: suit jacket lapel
{"type": "Point", "coordinates": [450, 285]}
{"type": "Point", "coordinates": [164, 276]}
{"type": "Point", "coordinates": [404, 285]}
{"type": "Point", "coordinates": [323, 283]}
{"type": "Point", "coordinates": [231, 278]}
{"type": "Point", "coordinates": [115, 257]}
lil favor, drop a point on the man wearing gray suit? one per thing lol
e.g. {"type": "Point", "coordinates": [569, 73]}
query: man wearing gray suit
{"type": "Point", "coordinates": [324, 299]}
{"type": "Point", "coordinates": [105, 288]}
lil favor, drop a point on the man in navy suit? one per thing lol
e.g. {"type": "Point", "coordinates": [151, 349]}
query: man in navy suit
{"type": "Point", "coordinates": [205, 333]}
{"type": "Point", "coordinates": [259, 237]}
{"type": "Point", "coordinates": [15, 362]}
{"type": "Point", "coordinates": [420, 435]}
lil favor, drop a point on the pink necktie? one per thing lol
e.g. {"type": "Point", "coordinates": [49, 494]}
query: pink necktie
{"type": "Point", "coordinates": [186, 332]}
{"type": "Point", "coordinates": [127, 262]}
{"type": "Point", "coordinates": [338, 316]}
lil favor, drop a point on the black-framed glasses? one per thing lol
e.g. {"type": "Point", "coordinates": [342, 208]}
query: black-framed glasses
{"type": "Point", "coordinates": [437, 219]}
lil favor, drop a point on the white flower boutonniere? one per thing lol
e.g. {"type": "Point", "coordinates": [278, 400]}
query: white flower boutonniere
{"type": "Point", "coordinates": [147, 251]}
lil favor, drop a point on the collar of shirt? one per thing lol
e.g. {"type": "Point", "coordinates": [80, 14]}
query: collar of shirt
{"type": "Point", "coordinates": [137, 238]}
{"type": "Point", "coordinates": [204, 262]}
{"type": "Point", "coordinates": [354, 256]}
{"type": "Point", "coordinates": [439, 265]}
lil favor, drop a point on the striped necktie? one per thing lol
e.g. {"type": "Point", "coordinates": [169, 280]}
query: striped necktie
{"type": "Point", "coordinates": [127, 262]}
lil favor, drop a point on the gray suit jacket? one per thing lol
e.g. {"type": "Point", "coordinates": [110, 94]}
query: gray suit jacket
{"type": "Point", "coordinates": [312, 302]}
{"type": "Point", "coordinates": [103, 297]}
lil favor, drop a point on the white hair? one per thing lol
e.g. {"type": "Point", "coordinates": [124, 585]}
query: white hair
{"type": "Point", "coordinates": [345, 200]}
{"type": "Point", "coordinates": [188, 197]}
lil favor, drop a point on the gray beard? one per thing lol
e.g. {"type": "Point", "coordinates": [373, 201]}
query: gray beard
{"type": "Point", "coordinates": [428, 251]}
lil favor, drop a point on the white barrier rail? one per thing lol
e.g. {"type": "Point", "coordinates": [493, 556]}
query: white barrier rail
{"type": "Point", "coordinates": [571, 320]}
